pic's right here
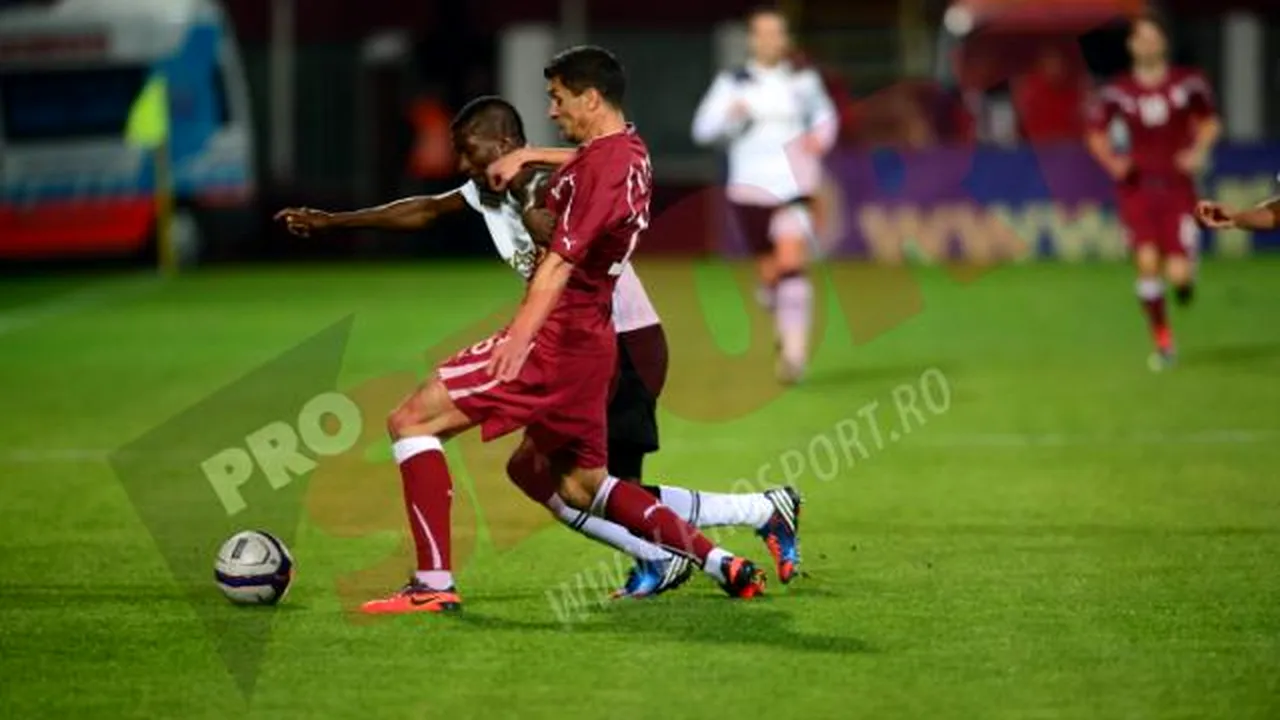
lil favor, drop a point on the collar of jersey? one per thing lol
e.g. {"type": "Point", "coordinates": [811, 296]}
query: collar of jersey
{"type": "Point", "coordinates": [627, 129]}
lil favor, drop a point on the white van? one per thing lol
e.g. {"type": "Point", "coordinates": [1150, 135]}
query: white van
{"type": "Point", "coordinates": [70, 71]}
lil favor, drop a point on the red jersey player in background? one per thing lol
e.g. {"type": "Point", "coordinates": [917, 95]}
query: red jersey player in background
{"type": "Point", "coordinates": [550, 370]}
{"type": "Point", "coordinates": [1261, 217]}
{"type": "Point", "coordinates": [1172, 125]}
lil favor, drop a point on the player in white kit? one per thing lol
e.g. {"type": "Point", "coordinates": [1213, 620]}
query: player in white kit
{"type": "Point", "coordinates": [485, 130]}
{"type": "Point", "coordinates": [776, 121]}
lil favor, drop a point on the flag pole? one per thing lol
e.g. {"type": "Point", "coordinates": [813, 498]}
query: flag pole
{"type": "Point", "coordinates": [167, 255]}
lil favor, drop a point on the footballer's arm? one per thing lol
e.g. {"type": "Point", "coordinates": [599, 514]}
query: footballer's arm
{"type": "Point", "coordinates": [1117, 166]}
{"type": "Point", "coordinates": [412, 213]}
{"type": "Point", "coordinates": [1207, 132]}
{"type": "Point", "coordinates": [505, 170]}
{"type": "Point", "coordinates": [548, 283]}
{"type": "Point", "coordinates": [1262, 217]}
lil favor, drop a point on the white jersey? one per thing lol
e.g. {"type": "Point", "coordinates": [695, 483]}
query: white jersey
{"type": "Point", "coordinates": [767, 165]}
{"type": "Point", "coordinates": [632, 309]}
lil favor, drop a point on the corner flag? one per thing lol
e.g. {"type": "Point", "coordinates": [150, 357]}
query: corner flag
{"type": "Point", "coordinates": [148, 125]}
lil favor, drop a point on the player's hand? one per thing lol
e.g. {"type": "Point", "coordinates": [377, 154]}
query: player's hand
{"type": "Point", "coordinates": [1215, 216]}
{"type": "Point", "coordinates": [739, 111]}
{"type": "Point", "coordinates": [812, 144]}
{"type": "Point", "coordinates": [503, 170]}
{"type": "Point", "coordinates": [1191, 162]}
{"type": "Point", "coordinates": [508, 357]}
{"type": "Point", "coordinates": [1120, 169]}
{"type": "Point", "coordinates": [303, 221]}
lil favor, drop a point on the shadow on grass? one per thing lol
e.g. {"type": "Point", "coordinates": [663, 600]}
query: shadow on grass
{"type": "Point", "coordinates": [692, 619]}
{"type": "Point", "coordinates": [1243, 354]}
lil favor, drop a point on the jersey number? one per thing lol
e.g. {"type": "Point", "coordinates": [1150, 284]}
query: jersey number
{"type": "Point", "coordinates": [1154, 110]}
{"type": "Point", "coordinates": [638, 182]}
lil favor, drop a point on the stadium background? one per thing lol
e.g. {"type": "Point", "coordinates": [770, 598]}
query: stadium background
{"type": "Point", "coordinates": [344, 95]}
{"type": "Point", "coordinates": [885, 63]}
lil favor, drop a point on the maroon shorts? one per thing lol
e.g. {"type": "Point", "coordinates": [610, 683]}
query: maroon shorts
{"type": "Point", "coordinates": [559, 399]}
{"type": "Point", "coordinates": [1160, 216]}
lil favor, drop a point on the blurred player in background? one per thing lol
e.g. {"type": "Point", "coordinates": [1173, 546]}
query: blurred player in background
{"type": "Point", "coordinates": [521, 230]}
{"type": "Point", "coordinates": [1262, 217]}
{"type": "Point", "coordinates": [1172, 126]}
{"type": "Point", "coordinates": [778, 122]}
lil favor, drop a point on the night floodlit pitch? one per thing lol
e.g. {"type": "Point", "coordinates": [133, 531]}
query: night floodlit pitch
{"type": "Point", "coordinates": [1053, 531]}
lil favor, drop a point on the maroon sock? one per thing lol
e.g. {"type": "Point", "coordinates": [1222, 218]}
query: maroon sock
{"type": "Point", "coordinates": [1151, 294]}
{"type": "Point", "coordinates": [641, 513]}
{"type": "Point", "coordinates": [428, 499]}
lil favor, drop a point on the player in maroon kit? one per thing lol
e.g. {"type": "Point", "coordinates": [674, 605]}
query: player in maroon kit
{"type": "Point", "coordinates": [550, 370]}
{"type": "Point", "coordinates": [1260, 218]}
{"type": "Point", "coordinates": [1172, 125]}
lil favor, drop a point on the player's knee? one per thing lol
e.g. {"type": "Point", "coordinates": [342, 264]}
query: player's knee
{"type": "Point", "coordinates": [1148, 260]}
{"type": "Point", "coordinates": [398, 422]}
{"type": "Point", "coordinates": [790, 256]}
{"type": "Point", "coordinates": [575, 494]}
{"type": "Point", "coordinates": [579, 487]}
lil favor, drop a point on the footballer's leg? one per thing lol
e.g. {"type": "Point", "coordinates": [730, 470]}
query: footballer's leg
{"type": "Point", "coordinates": [418, 427]}
{"type": "Point", "coordinates": [662, 570]}
{"type": "Point", "coordinates": [1181, 258]}
{"type": "Point", "coordinates": [633, 433]}
{"type": "Point", "coordinates": [592, 488]}
{"type": "Point", "coordinates": [790, 229]}
{"type": "Point", "coordinates": [774, 515]}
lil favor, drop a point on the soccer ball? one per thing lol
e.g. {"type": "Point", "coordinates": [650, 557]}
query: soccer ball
{"type": "Point", "coordinates": [254, 568]}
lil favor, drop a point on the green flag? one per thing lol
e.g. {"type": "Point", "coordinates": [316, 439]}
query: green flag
{"type": "Point", "coordinates": [148, 125]}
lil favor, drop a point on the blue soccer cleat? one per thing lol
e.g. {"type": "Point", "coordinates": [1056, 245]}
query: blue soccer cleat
{"type": "Point", "coordinates": [782, 532]}
{"type": "Point", "coordinates": [654, 577]}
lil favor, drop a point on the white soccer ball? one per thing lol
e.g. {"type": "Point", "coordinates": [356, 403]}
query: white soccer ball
{"type": "Point", "coordinates": [254, 568]}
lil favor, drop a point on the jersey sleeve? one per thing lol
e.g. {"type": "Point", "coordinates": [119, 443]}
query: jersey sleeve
{"type": "Point", "coordinates": [471, 194]}
{"type": "Point", "coordinates": [592, 198]}
{"type": "Point", "coordinates": [1103, 107]}
{"type": "Point", "coordinates": [712, 122]}
{"type": "Point", "coordinates": [822, 119]}
{"type": "Point", "coordinates": [1200, 97]}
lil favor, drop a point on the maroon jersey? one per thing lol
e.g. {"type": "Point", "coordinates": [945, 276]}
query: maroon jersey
{"type": "Point", "coordinates": [601, 202]}
{"type": "Point", "coordinates": [1161, 119]}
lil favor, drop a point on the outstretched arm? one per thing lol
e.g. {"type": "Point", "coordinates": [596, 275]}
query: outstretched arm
{"type": "Point", "coordinates": [1263, 216]}
{"type": "Point", "coordinates": [412, 213]}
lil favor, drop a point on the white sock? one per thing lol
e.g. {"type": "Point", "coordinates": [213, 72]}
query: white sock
{"type": "Point", "coordinates": [708, 509]}
{"type": "Point", "coordinates": [713, 563]}
{"type": "Point", "coordinates": [793, 318]}
{"type": "Point", "coordinates": [435, 579]}
{"type": "Point", "coordinates": [766, 297]}
{"type": "Point", "coordinates": [604, 531]}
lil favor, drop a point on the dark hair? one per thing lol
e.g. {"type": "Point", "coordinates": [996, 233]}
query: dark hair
{"type": "Point", "coordinates": [766, 9]}
{"type": "Point", "coordinates": [589, 67]}
{"type": "Point", "coordinates": [491, 116]}
{"type": "Point", "coordinates": [1150, 18]}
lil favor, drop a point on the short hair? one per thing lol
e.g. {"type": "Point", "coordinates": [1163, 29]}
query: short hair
{"type": "Point", "coordinates": [490, 116]}
{"type": "Point", "coordinates": [589, 67]}
{"type": "Point", "coordinates": [1149, 18]}
{"type": "Point", "coordinates": [767, 9]}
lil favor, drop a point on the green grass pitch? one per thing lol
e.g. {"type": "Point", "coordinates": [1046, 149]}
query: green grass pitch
{"type": "Point", "coordinates": [1059, 532]}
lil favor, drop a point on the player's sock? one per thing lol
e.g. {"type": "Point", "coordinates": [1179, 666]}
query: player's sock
{"type": "Point", "coordinates": [428, 499]}
{"type": "Point", "coordinates": [641, 513]}
{"type": "Point", "coordinates": [1151, 293]}
{"type": "Point", "coordinates": [1184, 293]}
{"type": "Point", "coordinates": [609, 533]}
{"type": "Point", "coordinates": [709, 509]}
{"type": "Point", "coordinates": [793, 317]}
